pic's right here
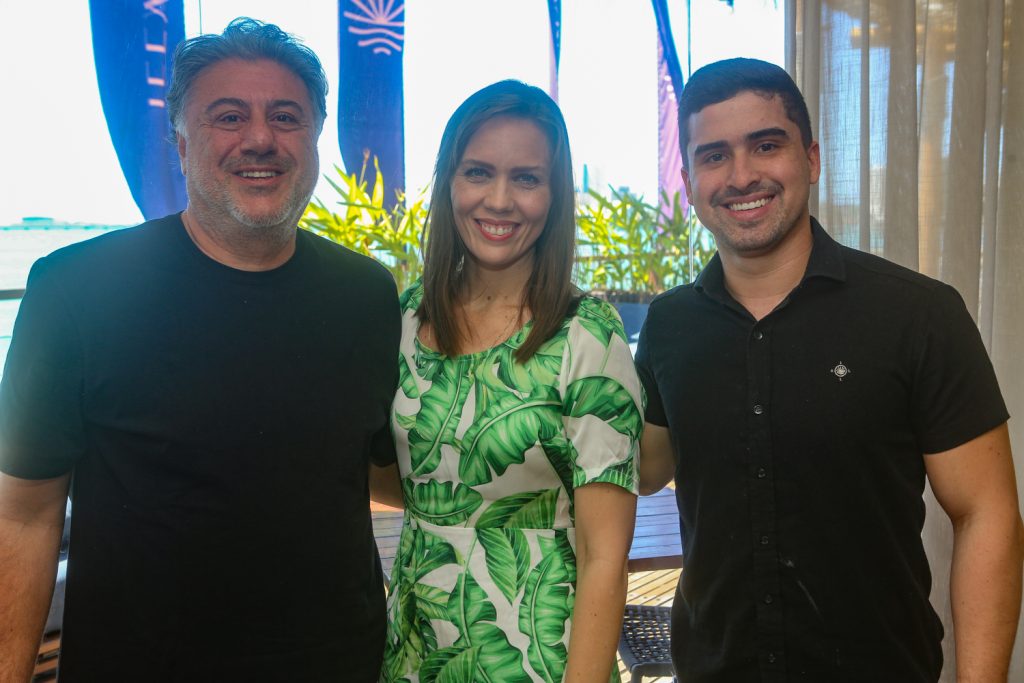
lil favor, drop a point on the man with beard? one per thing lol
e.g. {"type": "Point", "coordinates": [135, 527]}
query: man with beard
{"type": "Point", "coordinates": [213, 386]}
{"type": "Point", "coordinates": [800, 393]}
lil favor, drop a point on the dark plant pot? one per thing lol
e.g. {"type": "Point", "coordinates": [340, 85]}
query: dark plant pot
{"type": "Point", "coordinates": [633, 316]}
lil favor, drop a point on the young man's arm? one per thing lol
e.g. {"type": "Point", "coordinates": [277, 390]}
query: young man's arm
{"type": "Point", "coordinates": [31, 522]}
{"type": "Point", "coordinates": [976, 486]}
{"type": "Point", "coordinates": [657, 463]}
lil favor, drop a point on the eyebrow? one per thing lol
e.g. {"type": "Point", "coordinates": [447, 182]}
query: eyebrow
{"type": "Point", "coordinates": [242, 104]}
{"type": "Point", "coordinates": [516, 169]}
{"type": "Point", "coordinates": [749, 137]}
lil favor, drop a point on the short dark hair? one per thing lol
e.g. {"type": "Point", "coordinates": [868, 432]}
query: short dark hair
{"type": "Point", "coordinates": [720, 81]}
{"type": "Point", "coordinates": [247, 39]}
{"type": "Point", "coordinates": [549, 291]}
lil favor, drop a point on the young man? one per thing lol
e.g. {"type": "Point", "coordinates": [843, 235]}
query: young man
{"type": "Point", "coordinates": [213, 386]}
{"type": "Point", "coordinates": [800, 392]}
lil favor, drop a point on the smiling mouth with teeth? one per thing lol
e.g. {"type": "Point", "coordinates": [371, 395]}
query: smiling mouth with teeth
{"type": "Point", "coordinates": [747, 206]}
{"type": "Point", "coordinates": [258, 174]}
{"type": "Point", "coordinates": [496, 230]}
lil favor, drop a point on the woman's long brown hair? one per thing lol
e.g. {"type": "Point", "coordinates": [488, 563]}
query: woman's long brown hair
{"type": "Point", "coordinates": [549, 291]}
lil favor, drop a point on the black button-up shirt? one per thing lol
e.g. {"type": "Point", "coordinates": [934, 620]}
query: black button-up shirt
{"type": "Point", "coordinates": [799, 442]}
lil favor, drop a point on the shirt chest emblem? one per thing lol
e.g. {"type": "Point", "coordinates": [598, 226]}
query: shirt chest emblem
{"type": "Point", "coordinates": [841, 371]}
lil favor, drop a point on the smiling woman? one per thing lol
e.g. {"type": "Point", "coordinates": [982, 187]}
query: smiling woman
{"type": "Point", "coordinates": [516, 423]}
{"type": "Point", "coordinates": [501, 193]}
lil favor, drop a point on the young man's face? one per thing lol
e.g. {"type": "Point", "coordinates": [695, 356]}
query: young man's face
{"type": "Point", "coordinates": [749, 173]}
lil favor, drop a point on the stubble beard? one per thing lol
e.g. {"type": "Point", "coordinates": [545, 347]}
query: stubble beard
{"type": "Point", "coordinates": [754, 239]}
{"type": "Point", "coordinates": [222, 212]}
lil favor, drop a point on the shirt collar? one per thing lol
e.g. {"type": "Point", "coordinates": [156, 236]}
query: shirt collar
{"type": "Point", "coordinates": [826, 261]}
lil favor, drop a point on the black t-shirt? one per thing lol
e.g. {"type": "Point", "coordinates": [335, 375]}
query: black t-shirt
{"type": "Point", "coordinates": [799, 443]}
{"type": "Point", "coordinates": [219, 425]}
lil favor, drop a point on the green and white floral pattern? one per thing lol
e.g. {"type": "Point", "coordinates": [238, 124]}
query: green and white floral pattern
{"type": "Point", "coordinates": [490, 452]}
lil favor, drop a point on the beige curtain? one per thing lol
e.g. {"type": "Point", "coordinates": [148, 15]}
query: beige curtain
{"type": "Point", "coordinates": [919, 109]}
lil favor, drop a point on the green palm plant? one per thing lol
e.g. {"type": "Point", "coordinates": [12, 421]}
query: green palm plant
{"type": "Point", "coordinates": [631, 250]}
{"type": "Point", "coordinates": [366, 225]}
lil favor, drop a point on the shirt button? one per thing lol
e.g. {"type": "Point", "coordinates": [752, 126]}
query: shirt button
{"type": "Point", "coordinates": [764, 540]}
{"type": "Point", "coordinates": [758, 409]}
{"type": "Point", "coordinates": [758, 335]}
{"type": "Point", "coordinates": [761, 473]}
{"type": "Point", "coordinates": [768, 599]}
{"type": "Point", "coordinates": [771, 657]}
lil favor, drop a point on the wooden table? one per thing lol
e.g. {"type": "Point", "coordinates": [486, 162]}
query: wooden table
{"type": "Point", "coordinates": [656, 543]}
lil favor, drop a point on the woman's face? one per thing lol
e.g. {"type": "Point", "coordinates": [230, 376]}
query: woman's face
{"type": "Point", "coordinates": [501, 193]}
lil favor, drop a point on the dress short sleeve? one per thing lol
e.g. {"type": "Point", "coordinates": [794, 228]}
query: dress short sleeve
{"type": "Point", "coordinates": [602, 398]}
{"type": "Point", "coordinates": [41, 421]}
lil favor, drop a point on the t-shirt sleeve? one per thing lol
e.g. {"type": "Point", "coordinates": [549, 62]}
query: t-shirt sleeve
{"type": "Point", "coordinates": [41, 420]}
{"type": "Point", "coordinates": [655, 412]}
{"type": "Point", "coordinates": [382, 447]}
{"type": "Point", "coordinates": [956, 395]}
{"type": "Point", "coordinates": [602, 399]}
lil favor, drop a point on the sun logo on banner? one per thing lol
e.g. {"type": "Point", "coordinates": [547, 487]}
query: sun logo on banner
{"type": "Point", "coordinates": [383, 24]}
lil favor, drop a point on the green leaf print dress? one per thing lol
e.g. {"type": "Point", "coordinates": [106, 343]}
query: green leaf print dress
{"type": "Point", "coordinates": [490, 452]}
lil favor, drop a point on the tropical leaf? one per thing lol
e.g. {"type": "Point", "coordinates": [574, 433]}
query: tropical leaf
{"type": "Point", "coordinates": [435, 661]}
{"type": "Point", "coordinates": [410, 298]}
{"type": "Point", "coordinates": [473, 615]}
{"type": "Point", "coordinates": [436, 502]}
{"type": "Point", "coordinates": [540, 371]}
{"type": "Point", "coordinates": [622, 474]}
{"type": "Point", "coordinates": [431, 601]}
{"type": "Point", "coordinates": [429, 363]}
{"type": "Point", "coordinates": [468, 603]}
{"type": "Point", "coordinates": [406, 380]}
{"type": "Point", "coordinates": [440, 408]}
{"type": "Point", "coordinates": [526, 510]}
{"type": "Point", "coordinates": [599, 330]}
{"type": "Point", "coordinates": [605, 399]}
{"type": "Point", "coordinates": [600, 319]}
{"type": "Point", "coordinates": [547, 605]}
{"type": "Point", "coordinates": [431, 552]}
{"type": "Point", "coordinates": [502, 434]}
{"type": "Point", "coordinates": [515, 375]}
{"type": "Point", "coordinates": [461, 668]}
{"type": "Point", "coordinates": [508, 558]}
{"type": "Point", "coordinates": [411, 635]}
{"type": "Point", "coordinates": [561, 455]}
{"type": "Point", "coordinates": [406, 422]}
{"type": "Point", "coordinates": [499, 661]}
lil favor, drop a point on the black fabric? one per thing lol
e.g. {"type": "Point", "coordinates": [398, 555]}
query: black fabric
{"type": "Point", "coordinates": [219, 425]}
{"type": "Point", "coordinates": [799, 470]}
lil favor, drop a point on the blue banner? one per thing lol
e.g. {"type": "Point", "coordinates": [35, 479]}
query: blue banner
{"type": "Point", "coordinates": [668, 46]}
{"type": "Point", "coordinates": [132, 42]}
{"type": "Point", "coordinates": [555, 19]}
{"type": "Point", "coordinates": [371, 110]}
{"type": "Point", "coordinates": [670, 85]}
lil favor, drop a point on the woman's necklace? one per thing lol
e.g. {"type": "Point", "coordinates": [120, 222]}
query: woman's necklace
{"type": "Point", "coordinates": [504, 332]}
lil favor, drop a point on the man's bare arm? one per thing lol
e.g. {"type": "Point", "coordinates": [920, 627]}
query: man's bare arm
{"type": "Point", "coordinates": [976, 486]}
{"type": "Point", "coordinates": [386, 485]}
{"type": "Point", "coordinates": [657, 462]}
{"type": "Point", "coordinates": [31, 521]}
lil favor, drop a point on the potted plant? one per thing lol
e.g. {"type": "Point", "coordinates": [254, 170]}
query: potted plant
{"type": "Point", "coordinates": [630, 250]}
{"type": "Point", "coordinates": [366, 225]}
